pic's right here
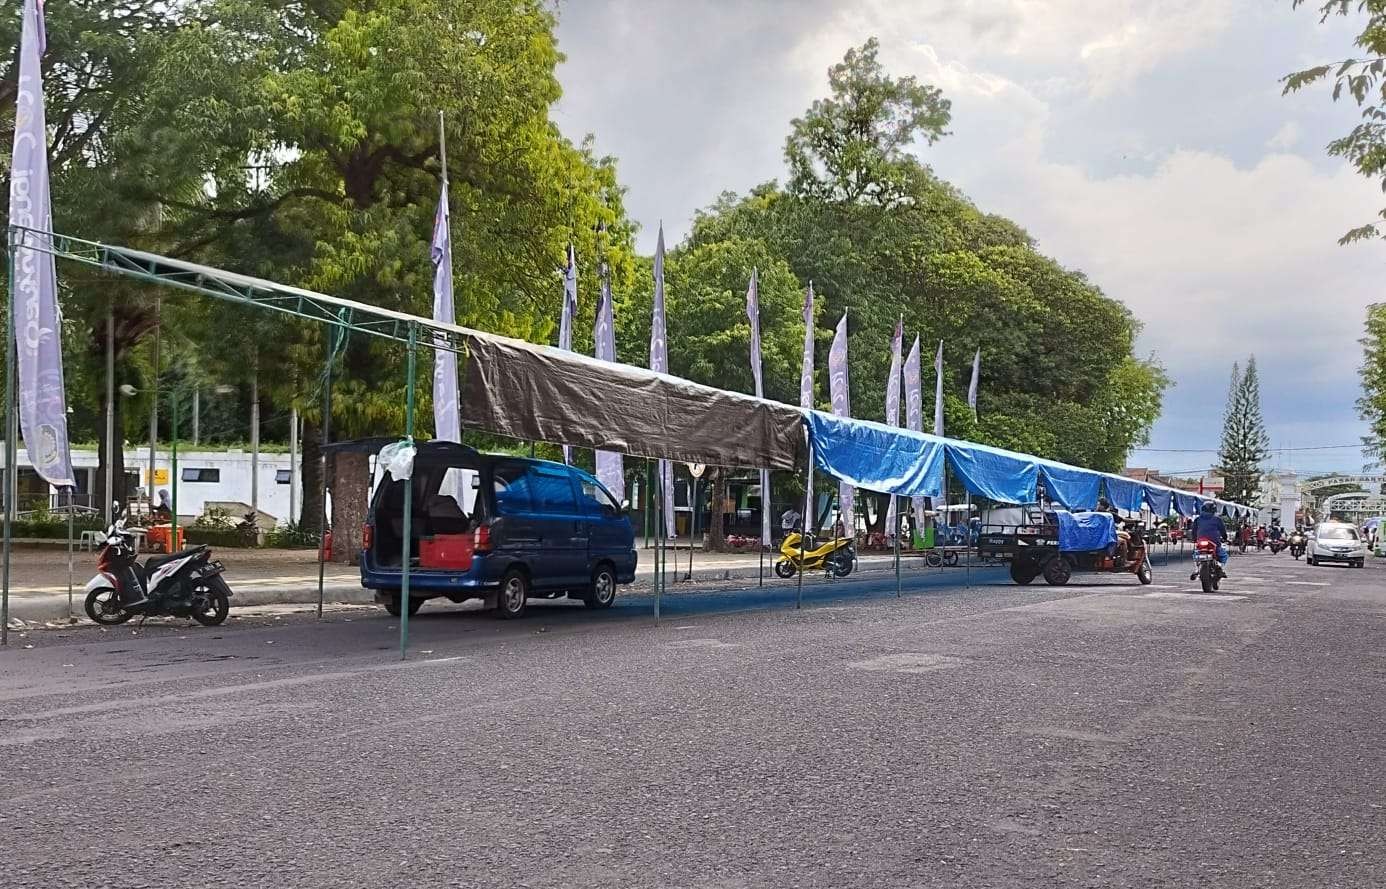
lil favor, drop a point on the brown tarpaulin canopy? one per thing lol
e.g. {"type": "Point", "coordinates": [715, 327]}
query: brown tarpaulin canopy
{"type": "Point", "coordinates": [539, 393]}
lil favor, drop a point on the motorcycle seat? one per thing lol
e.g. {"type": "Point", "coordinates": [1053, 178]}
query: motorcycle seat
{"type": "Point", "coordinates": [155, 561]}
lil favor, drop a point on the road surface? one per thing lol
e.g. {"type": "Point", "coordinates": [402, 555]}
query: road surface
{"type": "Point", "coordinates": [1100, 734]}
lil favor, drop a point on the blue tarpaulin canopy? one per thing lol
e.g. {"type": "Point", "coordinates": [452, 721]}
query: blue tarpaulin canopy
{"type": "Point", "coordinates": [1125, 493]}
{"type": "Point", "coordinates": [1085, 531]}
{"type": "Point", "coordinates": [1186, 504]}
{"type": "Point", "coordinates": [893, 460]}
{"type": "Point", "coordinates": [877, 457]}
{"type": "Point", "coordinates": [1003, 476]}
{"type": "Point", "coordinates": [1073, 487]}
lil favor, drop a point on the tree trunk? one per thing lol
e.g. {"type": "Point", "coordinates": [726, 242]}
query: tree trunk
{"type": "Point", "coordinates": [311, 473]}
{"type": "Point", "coordinates": [717, 526]}
{"type": "Point", "coordinates": [350, 489]}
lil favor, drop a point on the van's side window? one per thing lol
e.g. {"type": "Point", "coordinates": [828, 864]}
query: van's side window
{"type": "Point", "coordinates": [596, 500]}
{"type": "Point", "coordinates": [512, 485]}
{"type": "Point", "coordinates": [551, 489]}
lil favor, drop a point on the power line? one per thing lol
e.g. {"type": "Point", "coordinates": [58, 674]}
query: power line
{"type": "Point", "coordinates": [1357, 446]}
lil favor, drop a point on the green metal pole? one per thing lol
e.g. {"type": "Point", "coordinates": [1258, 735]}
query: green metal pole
{"type": "Point", "coordinates": [70, 492]}
{"type": "Point", "coordinates": [894, 507]}
{"type": "Point", "coordinates": [173, 470]}
{"type": "Point", "coordinates": [408, 502]}
{"type": "Point", "coordinates": [322, 460]}
{"type": "Point", "coordinates": [804, 528]}
{"type": "Point", "coordinates": [10, 455]}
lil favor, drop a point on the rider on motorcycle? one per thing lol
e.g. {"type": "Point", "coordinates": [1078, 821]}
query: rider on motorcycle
{"type": "Point", "coordinates": [1210, 525]}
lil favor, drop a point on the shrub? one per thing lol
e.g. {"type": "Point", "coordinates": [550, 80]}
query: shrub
{"type": "Point", "coordinates": [291, 536]}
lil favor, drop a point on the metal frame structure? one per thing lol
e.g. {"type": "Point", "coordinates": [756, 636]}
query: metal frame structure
{"type": "Point", "coordinates": [345, 316]}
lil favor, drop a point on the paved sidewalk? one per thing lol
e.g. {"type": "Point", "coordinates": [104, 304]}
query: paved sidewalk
{"type": "Point", "coordinates": [273, 577]}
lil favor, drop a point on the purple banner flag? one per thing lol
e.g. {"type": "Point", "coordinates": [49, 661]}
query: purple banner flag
{"type": "Point", "coordinates": [610, 470]}
{"type": "Point", "coordinates": [972, 386]}
{"type": "Point", "coordinates": [753, 315]}
{"type": "Point", "coordinates": [659, 361]}
{"type": "Point", "coordinates": [892, 401]}
{"type": "Point", "coordinates": [938, 390]}
{"type": "Point", "coordinates": [565, 321]}
{"type": "Point", "coordinates": [37, 320]}
{"type": "Point", "coordinates": [842, 406]}
{"type": "Point", "coordinates": [806, 397]}
{"type": "Point", "coordinates": [447, 425]}
{"type": "Point", "coordinates": [914, 408]}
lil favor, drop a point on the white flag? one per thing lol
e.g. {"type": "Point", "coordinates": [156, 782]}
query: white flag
{"type": "Point", "coordinates": [753, 315]}
{"type": "Point", "coordinates": [892, 401]}
{"type": "Point", "coordinates": [447, 425]}
{"type": "Point", "coordinates": [806, 400]}
{"type": "Point", "coordinates": [972, 386]}
{"type": "Point", "coordinates": [938, 391]}
{"type": "Point", "coordinates": [840, 393]}
{"type": "Point", "coordinates": [659, 361]}
{"type": "Point", "coordinates": [610, 467]}
{"type": "Point", "coordinates": [565, 320]}
{"type": "Point", "coordinates": [914, 408]}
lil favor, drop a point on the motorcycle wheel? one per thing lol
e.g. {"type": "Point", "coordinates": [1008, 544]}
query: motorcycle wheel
{"type": "Point", "coordinates": [1057, 571]}
{"type": "Point", "coordinates": [950, 558]}
{"type": "Point", "coordinates": [1023, 571]}
{"type": "Point", "coordinates": [210, 606]}
{"type": "Point", "coordinates": [1144, 574]}
{"type": "Point", "coordinates": [843, 567]}
{"type": "Point", "coordinates": [785, 568]}
{"type": "Point", "coordinates": [933, 559]}
{"type": "Point", "coordinates": [1207, 577]}
{"type": "Point", "coordinates": [103, 607]}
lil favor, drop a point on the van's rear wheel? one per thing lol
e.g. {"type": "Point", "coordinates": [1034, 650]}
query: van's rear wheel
{"type": "Point", "coordinates": [514, 594]}
{"type": "Point", "coordinates": [603, 591]}
{"type": "Point", "coordinates": [392, 604]}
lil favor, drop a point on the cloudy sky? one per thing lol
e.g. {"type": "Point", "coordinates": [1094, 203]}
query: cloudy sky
{"type": "Point", "coordinates": [1144, 142]}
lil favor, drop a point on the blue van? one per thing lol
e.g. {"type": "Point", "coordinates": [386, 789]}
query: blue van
{"type": "Point", "coordinates": [498, 528]}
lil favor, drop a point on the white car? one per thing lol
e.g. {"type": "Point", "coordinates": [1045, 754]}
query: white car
{"type": "Point", "coordinates": [1336, 542]}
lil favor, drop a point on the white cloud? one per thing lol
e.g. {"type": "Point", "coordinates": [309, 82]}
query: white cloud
{"type": "Point", "coordinates": [1286, 137]}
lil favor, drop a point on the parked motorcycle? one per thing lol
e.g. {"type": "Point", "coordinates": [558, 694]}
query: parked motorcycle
{"type": "Point", "coordinates": [837, 556]}
{"type": "Point", "coordinates": [1298, 542]}
{"type": "Point", "coordinates": [1206, 568]}
{"type": "Point", "coordinates": [181, 584]}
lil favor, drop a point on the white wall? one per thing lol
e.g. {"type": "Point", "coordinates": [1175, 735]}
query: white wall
{"type": "Point", "coordinates": [234, 483]}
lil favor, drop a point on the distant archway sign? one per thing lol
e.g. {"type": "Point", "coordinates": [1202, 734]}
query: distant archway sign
{"type": "Point", "coordinates": [1358, 504]}
{"type": "Point", "coordinates": [1375, 484]}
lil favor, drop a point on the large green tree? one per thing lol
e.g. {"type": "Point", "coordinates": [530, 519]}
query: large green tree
{"type": "Point", "coordinates": [888, 238]}
{"type": "Point", "coordinates": [1245, 443]}
{"type": "Point", "coordinates": [1372, 404]}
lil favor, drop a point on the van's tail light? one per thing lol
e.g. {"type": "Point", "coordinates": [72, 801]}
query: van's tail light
{"type": "Point", "coordinates": [481, 539]}
{"type": "Point", "coordinates": [367, 535]}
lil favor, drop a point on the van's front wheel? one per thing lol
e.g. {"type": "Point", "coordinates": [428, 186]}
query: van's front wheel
{"type": "Point", "coordinates": [513, 595]}
{"type": "Point", "coordinates": [603, 592]}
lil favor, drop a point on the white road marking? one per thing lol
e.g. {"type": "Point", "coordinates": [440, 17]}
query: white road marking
{"type": "Point", "coordinates": [1306, 583]}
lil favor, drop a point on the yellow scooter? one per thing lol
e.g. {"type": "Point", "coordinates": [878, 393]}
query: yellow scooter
{"type": "Point", "coordinates": [837, 556]}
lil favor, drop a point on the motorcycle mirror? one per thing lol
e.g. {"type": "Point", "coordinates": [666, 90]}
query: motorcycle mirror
{"type": "Point", "coordinates": [625, 506]}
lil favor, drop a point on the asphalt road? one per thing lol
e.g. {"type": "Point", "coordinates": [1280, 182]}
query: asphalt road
{"type": "Point", "coordinates": [1101, 734]}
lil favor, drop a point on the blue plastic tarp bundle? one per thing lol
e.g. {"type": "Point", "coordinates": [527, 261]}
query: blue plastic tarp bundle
{"type": "Point", "coordinates": [877, 457]}
{"type": "Point", "coordinates": [1085, 531]}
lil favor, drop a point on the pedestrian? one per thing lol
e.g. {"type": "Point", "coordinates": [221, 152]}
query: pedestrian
{"type": "Point", "coordinates": [789, 521]}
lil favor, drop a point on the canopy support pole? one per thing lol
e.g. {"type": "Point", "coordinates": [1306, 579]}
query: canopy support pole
{"type": "Point", "coordinates": [804, 529]}
{"type": "Point", "coordinates": [967, 535]}
{"type": "Point", "coordinates": [10, 450]}
{"type": "Point", "coordinates": [323, 439]}
{"type": "Point", "coordinates": [408, 501]}
{"type": "Point", "coordinates": [69, 551]}
{"type": "Point", "coordinates": [657, 492]}
{"type": "Point", "coordinates": [896, 513]}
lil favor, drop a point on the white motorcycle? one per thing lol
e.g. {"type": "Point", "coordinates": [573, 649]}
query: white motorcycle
{"type": "Point", "coordinates": [181, 584]}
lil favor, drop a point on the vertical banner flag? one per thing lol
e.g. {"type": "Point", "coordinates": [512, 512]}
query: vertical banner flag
{"type": "Point", "coordinates": [565, 321]}
{"type": "Point", "coordinates": [892, 401]}
{"type": "Point", "coordinates": [610, 470]}
{"type": "Point", "coordinates": [37, 322]}
{"type": "Point", "coordinates": [842, 406]}
{"type": "Point", "coordinates": [806, 400]}
{"type": "Point", "coordinates": [938, 390]}
{"type": "Point", "coordinates": [972, 386]}
{"type": "Point", "coordinates": [659, 361]}
{"type": "Point", "coordinates": [753, 314]}
{"type": "Point", "coordinates": [447, 423]}
{"type": "Point", "coordinates": [914, 409]}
